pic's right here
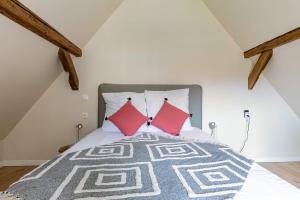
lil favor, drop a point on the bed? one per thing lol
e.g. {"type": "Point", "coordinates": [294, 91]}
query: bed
{"type": "Point", "coordinates": [109, 165]}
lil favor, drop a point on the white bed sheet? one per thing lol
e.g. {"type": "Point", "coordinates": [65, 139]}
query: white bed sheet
{"type": "Point", "coordinates": [261, 184]}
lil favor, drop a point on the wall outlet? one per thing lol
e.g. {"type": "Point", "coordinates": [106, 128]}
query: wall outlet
{"type": "Point", "coordinates": [246, 113]}
{"type": "Point", "coordinates": [85, 115]}
{"type": "Point", "coordinates": [85, 97]}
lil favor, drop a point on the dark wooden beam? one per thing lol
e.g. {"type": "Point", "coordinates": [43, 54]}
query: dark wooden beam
{"type": "Point", "coordinates": [276, 42]}
{"type": "Point", "coordinates": [19, 13]}
{"type": "Point", "coordinates": [259, 67]}
{"type": "Point", "coordinates": [68, 65]}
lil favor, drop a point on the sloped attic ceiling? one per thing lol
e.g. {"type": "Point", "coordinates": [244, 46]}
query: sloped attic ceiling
{"type": "Point", "coordinates": [29, 64]}
{"type": "Point", "coordinates": [255, 21]}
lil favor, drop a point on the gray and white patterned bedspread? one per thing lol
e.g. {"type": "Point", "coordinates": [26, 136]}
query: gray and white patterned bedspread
{"type": "Point", "coordinates": [143, 167]}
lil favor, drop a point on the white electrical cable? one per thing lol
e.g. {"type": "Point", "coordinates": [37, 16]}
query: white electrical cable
{"type": "Point", "coordinates": [247, 133]}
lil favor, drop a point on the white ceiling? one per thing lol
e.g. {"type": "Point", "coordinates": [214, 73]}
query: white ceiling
{"type": "Point", "coordinates": [29, 64]}
{"type": "Point", "coordinates": [251, 22]}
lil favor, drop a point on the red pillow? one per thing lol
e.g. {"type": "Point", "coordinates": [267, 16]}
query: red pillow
{"type": "Point", "coordinates": [170, 119]}
{"type": "Point", "coordinates": [128, 119]}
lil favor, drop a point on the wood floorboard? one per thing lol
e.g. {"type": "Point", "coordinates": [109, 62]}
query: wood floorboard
{"type": "Point", "coordinates": [9, 175]}
{"type": "Point", "coordinates": [287, 171]}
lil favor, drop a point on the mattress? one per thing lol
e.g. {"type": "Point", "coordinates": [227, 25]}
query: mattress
{"type": "Point", "coordinates": [260, 184]}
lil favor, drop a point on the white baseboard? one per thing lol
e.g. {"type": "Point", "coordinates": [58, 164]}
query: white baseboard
{"type": "Point", "coordinates": [21, 162]}
{"type": "Point", "coordinates": [278, 159]}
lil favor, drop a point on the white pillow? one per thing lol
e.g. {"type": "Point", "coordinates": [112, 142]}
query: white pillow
{"type": "Point", "coordinates": [178, 98]}
{"type": "Point", "coordinates": [114, 101]}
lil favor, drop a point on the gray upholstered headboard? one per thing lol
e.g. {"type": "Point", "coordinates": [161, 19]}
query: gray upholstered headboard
{"type": "Point", "coordinates": [195, 95]}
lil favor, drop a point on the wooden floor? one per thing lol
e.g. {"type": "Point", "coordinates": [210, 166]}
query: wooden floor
{"type": "Point", "coordinates": [287, 171]}
{"type": "Point", "coordinates": [9, 175]}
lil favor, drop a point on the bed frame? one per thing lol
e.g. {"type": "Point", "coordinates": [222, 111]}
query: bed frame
{"type": "Point", "coordinates": [195, 98]}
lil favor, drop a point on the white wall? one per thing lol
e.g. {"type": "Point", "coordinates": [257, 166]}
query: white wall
{"type": "Point", "coordinates": [283, 69]}
{"type": "Point", "coordinates": [29, 63]}
{"type": "Point", "coordinates": [171, 41]}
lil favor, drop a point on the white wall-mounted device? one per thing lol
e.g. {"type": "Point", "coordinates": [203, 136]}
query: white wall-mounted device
{"type": "Point", "coordinates": [78, 127]}
{"type": "Point", "coordinates": [213, 127]}
{"type": "Point", "coordinates": [247, 118]}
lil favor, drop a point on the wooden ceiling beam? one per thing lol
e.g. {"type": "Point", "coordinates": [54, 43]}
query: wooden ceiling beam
{"type": "Point", "coordinates": [276, 42]}
{"type": "Point", "coordinates": [19, 13]}
{"type": "Point", "coordinates": [259, 67]}
{"type": "Point", "coordinates": [68, 65]}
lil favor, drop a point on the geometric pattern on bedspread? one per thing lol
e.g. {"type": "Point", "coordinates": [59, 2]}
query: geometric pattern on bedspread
{"type": "Point", "coordinates": [142, 167]}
